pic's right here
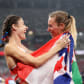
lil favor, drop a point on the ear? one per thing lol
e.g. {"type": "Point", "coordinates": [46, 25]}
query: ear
{"type": "Point", "coordinates": [14, 28]}
{"type": "Point", "coordinates": [62, 26]}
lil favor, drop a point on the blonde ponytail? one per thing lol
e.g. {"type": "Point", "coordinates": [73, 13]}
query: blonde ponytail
{"type": "Point", "coordinates": [73, 30]}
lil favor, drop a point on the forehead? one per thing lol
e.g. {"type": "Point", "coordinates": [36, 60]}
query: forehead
{"type": "Point", "coordinates": [21, 20]}
{"type": "Point", "coordinates": [51, 20]}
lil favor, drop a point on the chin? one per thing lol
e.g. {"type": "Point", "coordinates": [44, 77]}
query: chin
{"type": "Point", "coordinates": [23, 38]}
{"type": "Point", "coordinates": [53, 35]}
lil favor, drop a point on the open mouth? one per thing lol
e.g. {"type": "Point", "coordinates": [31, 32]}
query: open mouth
{"type": "Point", "coordinates": [25, 31]}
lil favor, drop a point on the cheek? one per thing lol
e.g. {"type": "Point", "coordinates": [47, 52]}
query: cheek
{"type": "Point", "coordinates": [20, 30]}
{"type": "Point", "coordinates": [55, 31]}
{"type": "Point", "coordinates": [22, 36]}
{"type": "Point", "coordinates": [49, 29]}
{"type": "Point", "coordinates": [20, 33]}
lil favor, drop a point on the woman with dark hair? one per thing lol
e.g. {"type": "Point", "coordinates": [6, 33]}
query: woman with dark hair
{"type": "Point", "coordinates": [13, 32]}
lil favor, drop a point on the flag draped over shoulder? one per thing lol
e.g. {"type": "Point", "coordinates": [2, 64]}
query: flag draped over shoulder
{"type": "Point", "coordinates": [63, 68]}
{"type": "Point", "coordinates": [66, 69]}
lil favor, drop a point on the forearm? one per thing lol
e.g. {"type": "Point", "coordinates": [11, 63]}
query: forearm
{"type": "Point", "coordinates": [45, 57]}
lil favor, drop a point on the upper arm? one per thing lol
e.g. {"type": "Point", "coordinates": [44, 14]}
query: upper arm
{"type": "Point", "coordinates": [19, 55]}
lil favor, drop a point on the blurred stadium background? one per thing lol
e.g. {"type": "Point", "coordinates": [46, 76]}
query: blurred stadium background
{"type": "Point", "coordinates": [35, 14]}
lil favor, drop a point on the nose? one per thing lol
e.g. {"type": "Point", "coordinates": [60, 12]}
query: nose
{"type": "Point", "coordinates": [26, 27]}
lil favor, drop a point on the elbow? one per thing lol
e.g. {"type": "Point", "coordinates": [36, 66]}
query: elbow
{"type": "Point", "coordinates": [33, 62]}
{"type": "Point", "coordinates": [37, 64]}
{"type": "Point", "coordinates": [24, 60]}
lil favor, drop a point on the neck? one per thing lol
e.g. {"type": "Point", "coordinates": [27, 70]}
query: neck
{"type": "Point", "coordinates": [15, 39]}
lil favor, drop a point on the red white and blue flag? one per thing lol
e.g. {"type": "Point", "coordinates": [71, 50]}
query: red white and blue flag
{"type": "Point", "coordinates": [58, 70]}
{"type": "Point", "coordinates": [63, 67]}
{"type": "Point", "coordinates": [66, 70]}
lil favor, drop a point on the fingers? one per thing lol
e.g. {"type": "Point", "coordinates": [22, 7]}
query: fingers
{"type": "Point", "coordinates": [66, 36]}
{"type": "Point", "coordinates": [66, 39]}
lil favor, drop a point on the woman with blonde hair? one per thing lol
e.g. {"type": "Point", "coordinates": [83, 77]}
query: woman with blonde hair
{"type": "Point", "coordinates": [66, 70]}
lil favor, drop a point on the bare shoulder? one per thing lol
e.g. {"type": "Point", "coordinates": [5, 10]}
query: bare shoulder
{"type": "Point", "coordinates": [8, 49]}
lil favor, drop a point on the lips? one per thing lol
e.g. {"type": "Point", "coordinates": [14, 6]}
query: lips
{"type": "Point", "coordinates": [25, 31]}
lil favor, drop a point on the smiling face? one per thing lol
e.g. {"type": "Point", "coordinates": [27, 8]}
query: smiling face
{"type": "Point", "coordinates": [21, 29]}
{"type": "Point", "coordinates": [54, 28]}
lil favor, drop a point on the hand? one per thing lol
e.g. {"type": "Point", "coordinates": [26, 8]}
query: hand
{"type": "Point", "coordinates": [64, 41]}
